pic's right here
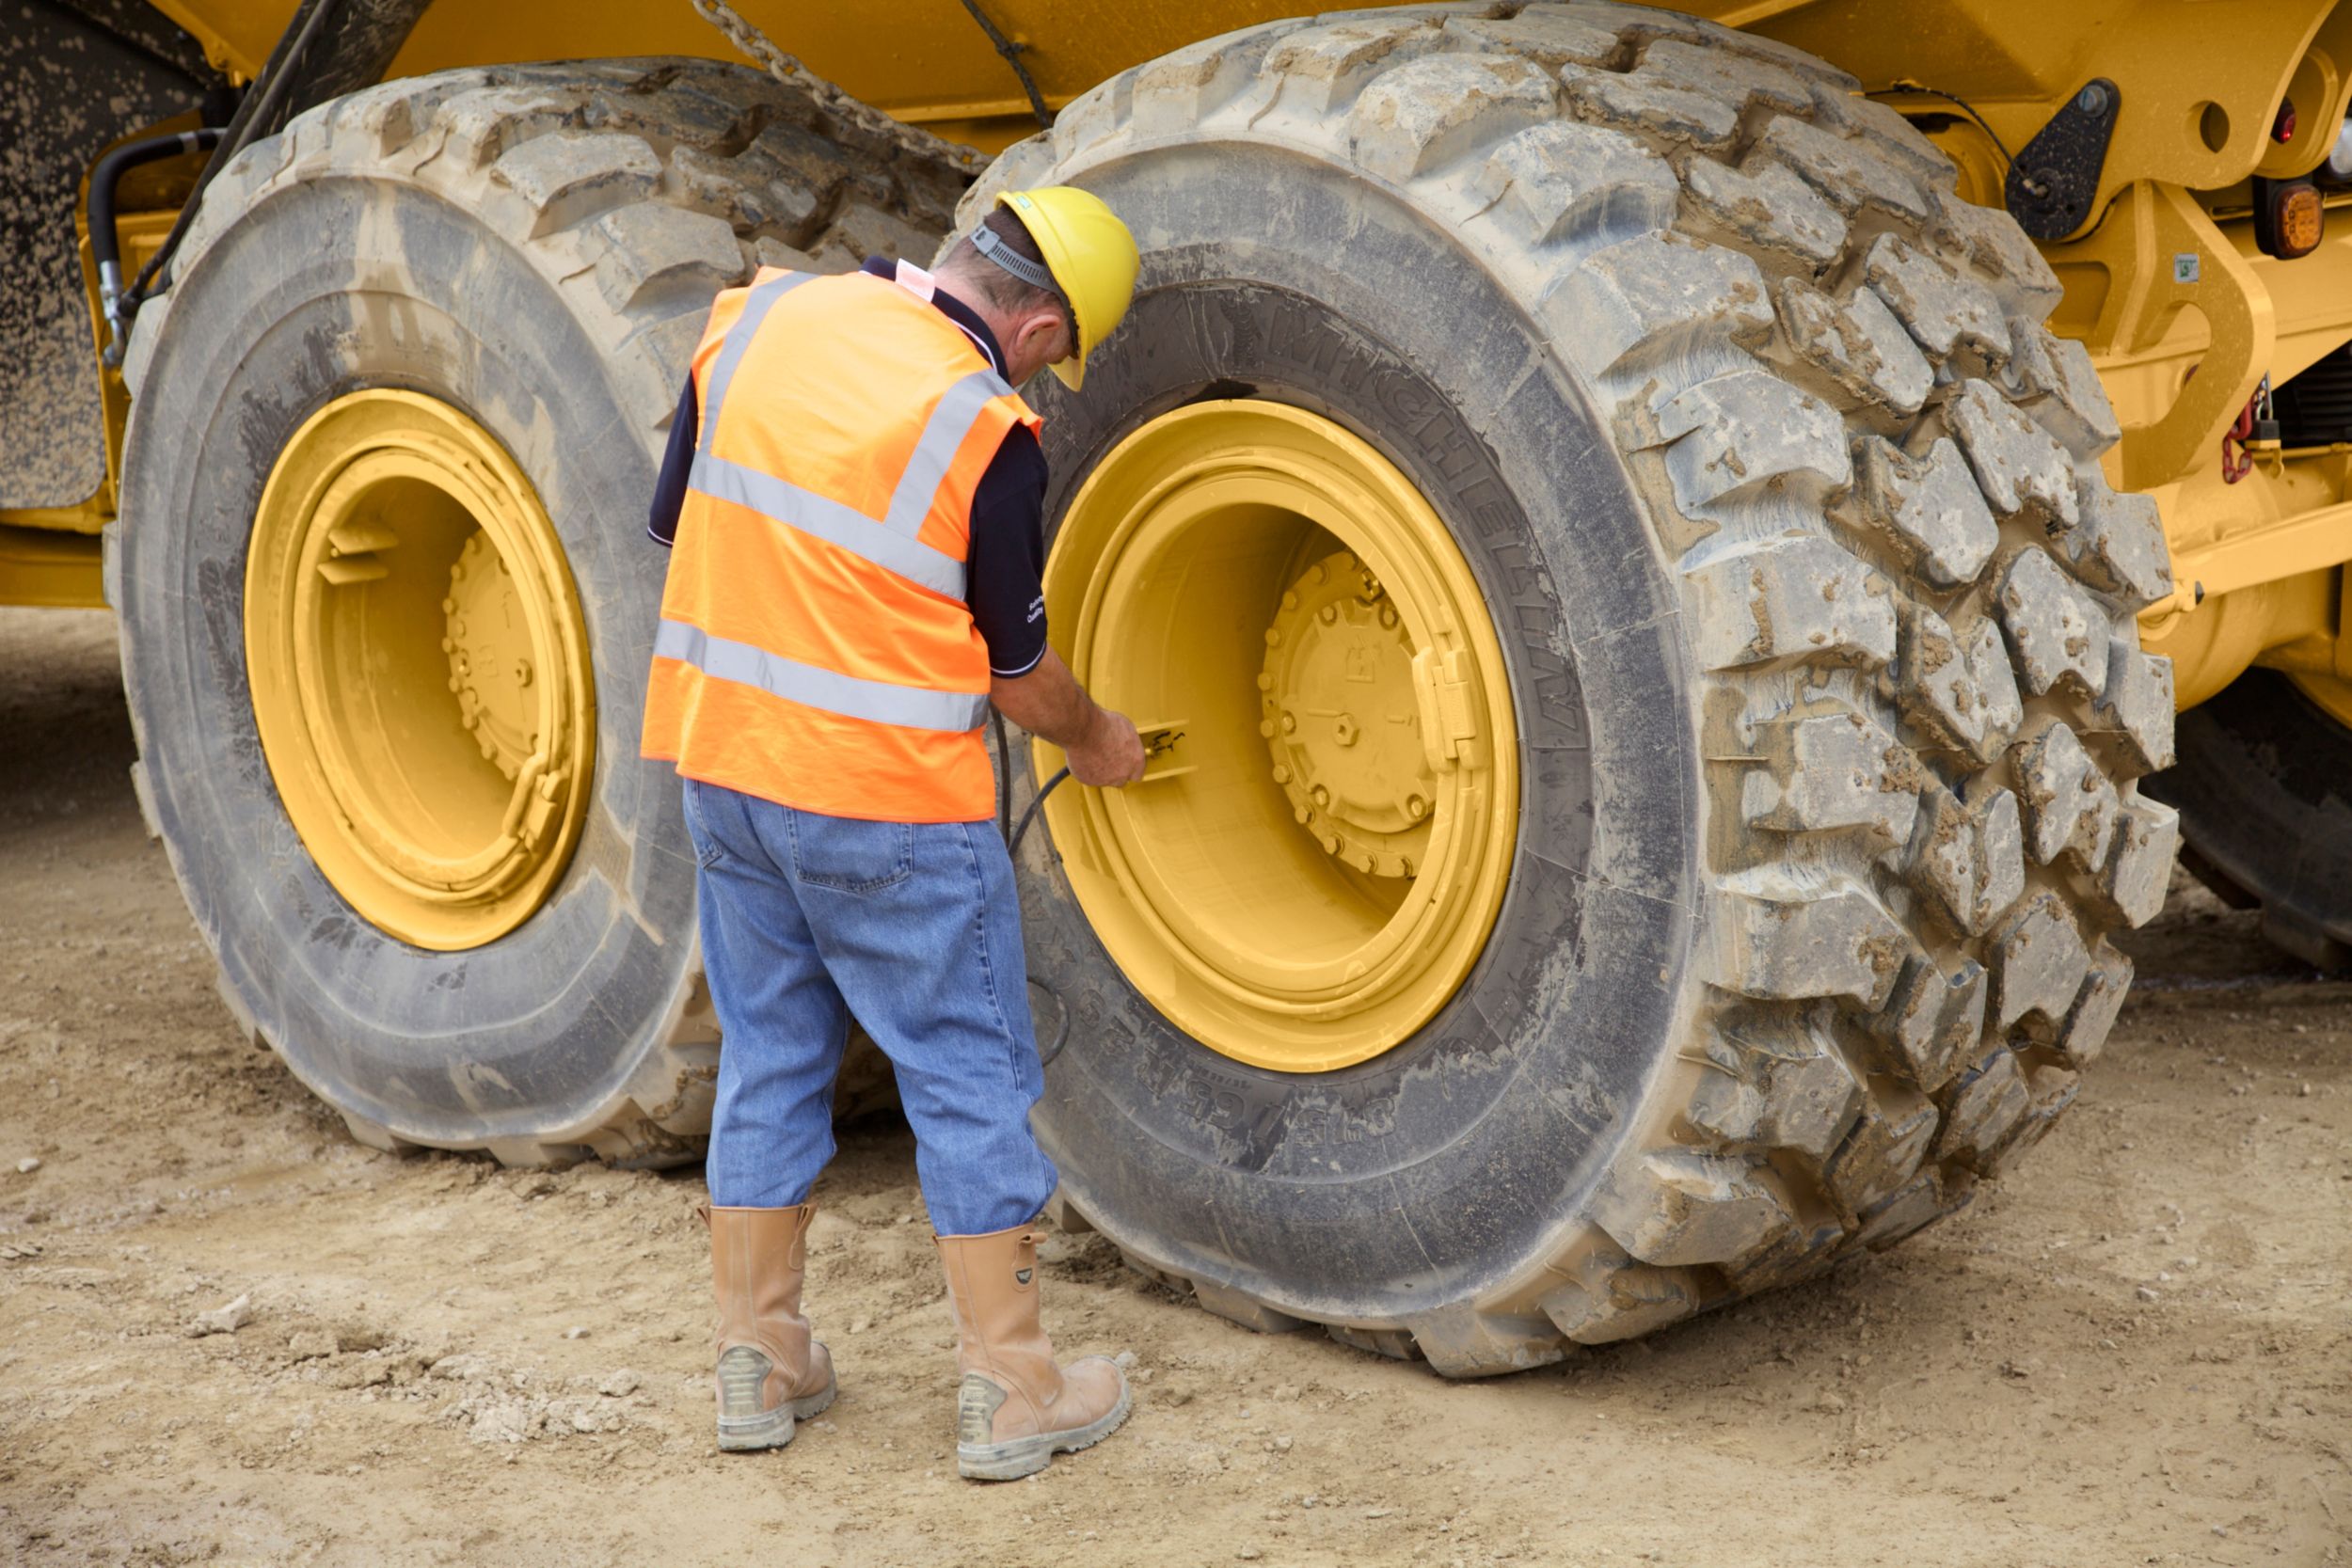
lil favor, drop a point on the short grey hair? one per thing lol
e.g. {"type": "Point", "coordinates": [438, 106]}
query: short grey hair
{"type": "Point", "coordinates": [1002, 288]}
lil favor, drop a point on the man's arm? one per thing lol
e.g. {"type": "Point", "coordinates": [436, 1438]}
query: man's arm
{"type": "Point", "coordinates": [1027, 680]}
{"type": "Point", "coordinates": [1104, 750]}
{"type": "Point", "coordinates": [677, 463]}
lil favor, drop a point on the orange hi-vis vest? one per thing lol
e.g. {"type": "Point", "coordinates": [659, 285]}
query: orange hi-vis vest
{"type": "Point", "coordinates": [815, 647]}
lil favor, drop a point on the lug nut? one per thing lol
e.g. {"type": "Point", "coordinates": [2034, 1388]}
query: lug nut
{"type": "Point", "coordinates": [1329, 613]}
{"type": "Point", "coordinates": [1388, 616]}
{"type": "Point", "coordinates": [1415, 807]}
{"type": "Point", "coordinates": [1290, 723]}
{"type": "Point", "coordinates": [1323, 796]}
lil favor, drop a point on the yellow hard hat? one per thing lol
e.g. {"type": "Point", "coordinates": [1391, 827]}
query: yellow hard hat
{"type": "Point", "coordinates": [1092, 256]}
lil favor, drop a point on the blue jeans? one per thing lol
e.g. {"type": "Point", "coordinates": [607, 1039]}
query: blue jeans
{"type": "Point", "coordinates": [915, 928]}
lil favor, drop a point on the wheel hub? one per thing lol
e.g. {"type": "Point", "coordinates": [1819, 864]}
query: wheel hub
{"type": "Point", "coordinates": [1341, 721]}
{"type": "Point", "coordinates": [489, 655]}
{"type": "Point", "coordinates": [420, 668]}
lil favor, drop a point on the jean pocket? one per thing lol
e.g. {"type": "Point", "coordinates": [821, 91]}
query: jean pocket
{"type": "Point", "coordinates": [706, 850]}
{"type": "Point", "coordinates": [850, 856]}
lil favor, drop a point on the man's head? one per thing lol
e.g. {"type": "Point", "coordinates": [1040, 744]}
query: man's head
{"type": "Point", "coordinates": [1050, 271]}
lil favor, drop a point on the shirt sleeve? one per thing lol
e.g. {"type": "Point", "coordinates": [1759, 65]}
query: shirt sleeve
{"type": "Point", "coordinates": [1006, 564]}
{"type": "Point", "coordinates": [669, 489]}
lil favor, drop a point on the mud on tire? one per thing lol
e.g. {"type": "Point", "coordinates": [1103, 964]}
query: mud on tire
{"type": "Point", "coordinates": [537, 246]}
{"type": "Point", "coordinates": [1820, 619]}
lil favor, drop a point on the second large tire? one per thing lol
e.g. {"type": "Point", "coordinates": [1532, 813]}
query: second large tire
{"type": "Point", "coordinates": [1817, 616]}
{"type": "Point", "coordinates": [534, 249]}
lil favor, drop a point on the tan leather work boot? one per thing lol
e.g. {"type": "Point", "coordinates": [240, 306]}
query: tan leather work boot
{"type": "Point", "coordinates": [1017, 1409]}
{"type": "Point", "coordinates": [770, 1372]}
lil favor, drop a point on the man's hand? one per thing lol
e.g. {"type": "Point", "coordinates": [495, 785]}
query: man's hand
{"type": "Point", "coordinates": [1111, 756]}
{"type": "Point", "coordinates": [1049, 702]}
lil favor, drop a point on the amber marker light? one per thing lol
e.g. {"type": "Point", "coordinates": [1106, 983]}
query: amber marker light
{"type": "Point", "coordinates": [2288, 217]}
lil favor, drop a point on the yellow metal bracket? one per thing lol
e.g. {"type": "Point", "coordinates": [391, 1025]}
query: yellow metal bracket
{"type": "Point", "coordinates": [2156, 257]}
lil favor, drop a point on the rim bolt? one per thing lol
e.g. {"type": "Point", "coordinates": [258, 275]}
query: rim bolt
{"type": "Point", "coordinates": [449, 607]}
{"type": "Point", "coordinates": [1282, 773]}
{"type": "Point", "coordinates": [447, 645]}
{"type": "Point", "coordinates": [1415, 807]}
{"type": "Point", "coordinates": [1302, 813]}
{"type": "Point", "coordinates": [1289, 600]}
{"type": "Point", "coordinates": [1274, 637]}
{"type": "Point", "coordinates": [1265, 728]}
{"type": "Point", "coordinates": [1265, 682]}
{"type": "Point", "coordinates": [1317, 573]}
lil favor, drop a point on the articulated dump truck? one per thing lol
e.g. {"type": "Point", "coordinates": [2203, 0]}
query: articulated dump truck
{"type": "Point", "coordinates": [1676, 545]}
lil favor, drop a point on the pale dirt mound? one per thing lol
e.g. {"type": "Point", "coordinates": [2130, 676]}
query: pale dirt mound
{"type": "Point", "coordinates": [2136, 1351]}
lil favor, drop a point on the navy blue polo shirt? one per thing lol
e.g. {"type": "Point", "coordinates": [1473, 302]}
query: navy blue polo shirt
{"type": "Point", "coordinates": [1004, 570]}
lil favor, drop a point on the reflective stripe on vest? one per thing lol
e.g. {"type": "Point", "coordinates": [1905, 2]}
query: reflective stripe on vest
{"type": "Point", "coordinates": [740, 336]}
{"type": "Point", "coordinates": [782, 502]}
{"type": "Point", "coordinates": [878, 702]}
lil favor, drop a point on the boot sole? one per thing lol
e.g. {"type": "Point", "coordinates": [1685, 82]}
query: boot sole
{"type": "Point", "coordinates": [773, 1429]}
{"type": "Point", "coordinates": [1027, 1456]}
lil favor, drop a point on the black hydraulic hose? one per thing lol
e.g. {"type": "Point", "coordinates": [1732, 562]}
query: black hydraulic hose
{"type": "Point", "coordinates": [253, 115]}
{"type": "Point", "coordinates": [106, 242]}
{"type": "Point", "coordinates": [1012, 844]}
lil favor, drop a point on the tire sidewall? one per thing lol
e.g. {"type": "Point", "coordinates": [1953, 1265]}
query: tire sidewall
{"type": "Point", "coordinates": [325, 287]}
{"type": "Point", "coordinates": [1338, 298]}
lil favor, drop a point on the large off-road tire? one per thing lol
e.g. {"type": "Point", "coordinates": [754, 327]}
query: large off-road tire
{"type": "Point", "coordinates": [536, 248]}
{"type": "Point", "coordinates": [1818, 621]}
{"type": "Point", "coordinates": [2260, 786]}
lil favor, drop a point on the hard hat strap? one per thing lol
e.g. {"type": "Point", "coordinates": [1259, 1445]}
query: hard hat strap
{"type": "Point", "coordinates": [993, 245]}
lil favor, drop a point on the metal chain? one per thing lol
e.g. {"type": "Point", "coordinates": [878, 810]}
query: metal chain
{"type": "Point", "coordinates": [786, 69]}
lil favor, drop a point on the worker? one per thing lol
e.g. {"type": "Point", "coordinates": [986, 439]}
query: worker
{"type": "Point", "coordinates": [854, 498]}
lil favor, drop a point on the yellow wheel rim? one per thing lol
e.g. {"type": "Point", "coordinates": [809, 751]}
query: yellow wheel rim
{"type": "Point", "coordinates": [1311, 871]}
{"type": "Point", "coordinates": [420, 668]}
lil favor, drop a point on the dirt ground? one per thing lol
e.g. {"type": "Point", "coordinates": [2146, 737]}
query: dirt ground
{"type": "Point", "coordinates": [2137, 1350]}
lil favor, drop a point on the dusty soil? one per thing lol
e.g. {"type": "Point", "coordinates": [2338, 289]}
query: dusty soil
{"type": "Point", "coordinates": [2136, 1350]}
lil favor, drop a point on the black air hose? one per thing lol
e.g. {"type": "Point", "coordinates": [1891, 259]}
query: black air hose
{"type": "Point", "coordinates": [105, 244]}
